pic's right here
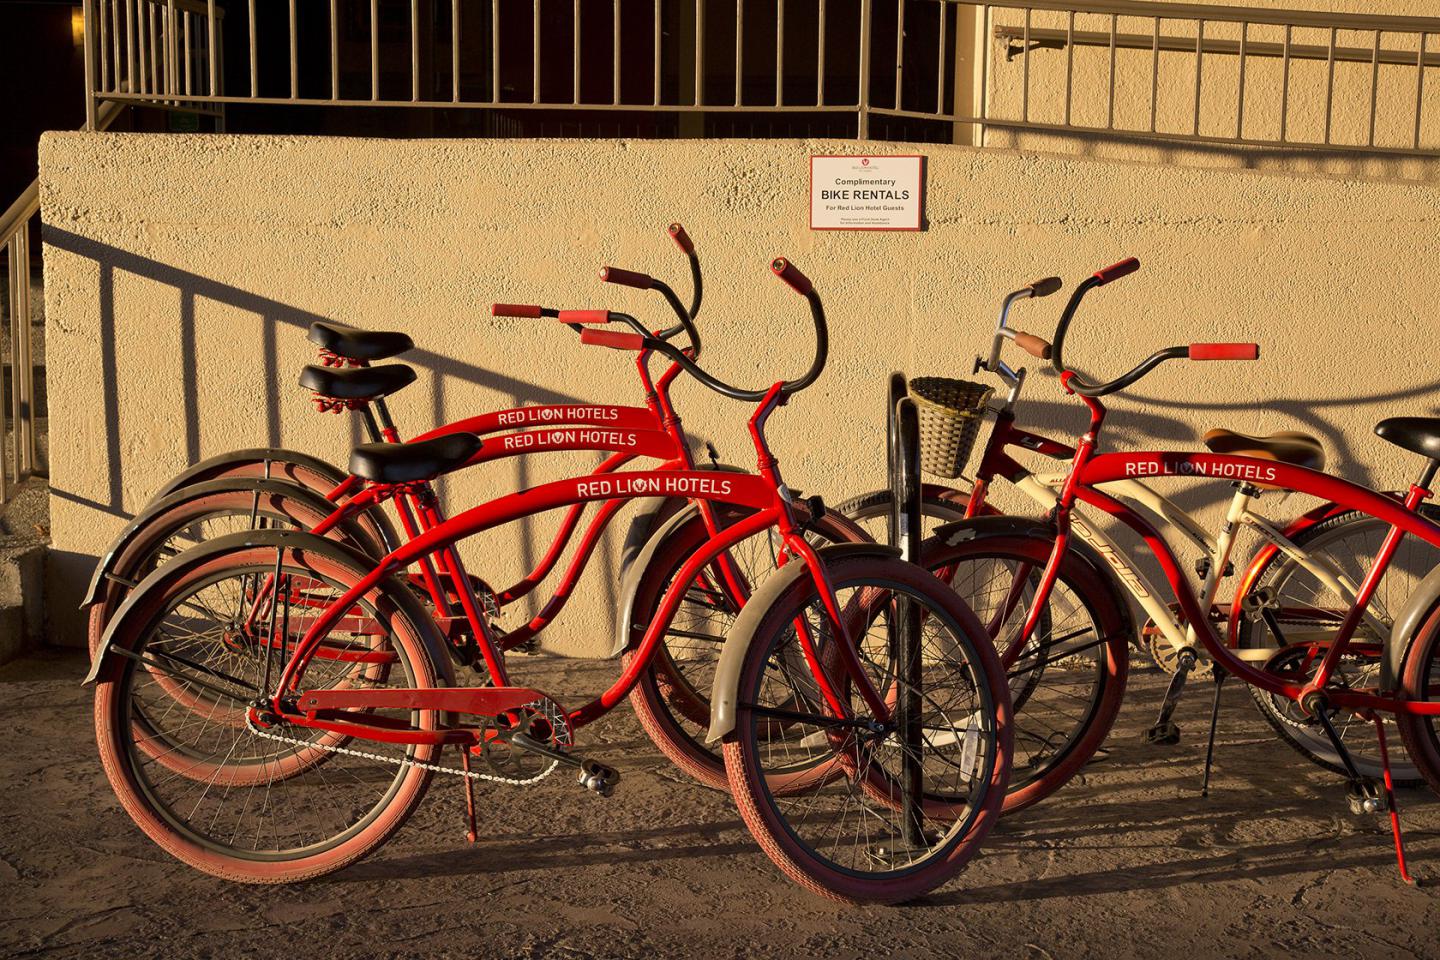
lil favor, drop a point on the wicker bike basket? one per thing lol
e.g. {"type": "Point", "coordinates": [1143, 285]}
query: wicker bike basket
{"type": "Point", "coordinates": [950, 415]}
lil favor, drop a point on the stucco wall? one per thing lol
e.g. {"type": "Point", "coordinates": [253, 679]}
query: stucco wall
{"type": "Point", "coordinates": [181, 272]}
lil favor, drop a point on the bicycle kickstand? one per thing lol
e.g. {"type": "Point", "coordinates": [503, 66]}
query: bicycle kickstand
{"type": "Point", "coordinates": [1390, 802]}
{"type": "Point", "coordinates": [1214, 719]}
{"type": "Point", "coordinates": [1163, 730]}
{"type": "Point", "coordinates": [470, 832]}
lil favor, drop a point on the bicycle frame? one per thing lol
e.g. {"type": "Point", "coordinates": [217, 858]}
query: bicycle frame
{"type": "Point", "coordinates": [628, 433]}
{"type": "Point", "coordinates": [1044, 489]}
{"type": "Point", "coordinates": [764, 492]}
{"type": "Point", "coordinates": [1090, 471]}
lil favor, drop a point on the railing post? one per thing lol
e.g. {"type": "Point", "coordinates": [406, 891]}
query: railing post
{"type": "Point", "coordinates": [24, 367]}
{"type": "Point", "coordinates": [863, 131]}
{"type": "Point", "coordinates": [972, 55]}
{"type": "Point", "coordinates": [17, 279]}
{"type": "Point", "coordinates": [88, 16]}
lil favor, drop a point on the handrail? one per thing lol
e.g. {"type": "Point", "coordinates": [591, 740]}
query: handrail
{"type": "Point", "coordinates": [1150, 9]}
{"type": "Point", "coordinates": [19, 458]}
{"type": "Point", "coordinates": [19, 213]}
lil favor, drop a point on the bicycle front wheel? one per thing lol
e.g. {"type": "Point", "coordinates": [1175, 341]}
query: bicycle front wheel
{"type": "Point", "coordinates": [856, 836]}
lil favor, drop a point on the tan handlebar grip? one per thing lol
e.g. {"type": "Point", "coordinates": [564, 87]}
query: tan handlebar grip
{"type": "Point", "coordinates": [1033, 345]}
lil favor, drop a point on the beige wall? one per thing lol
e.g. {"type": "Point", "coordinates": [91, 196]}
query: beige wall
{"type": "Point", "coordinates": [181, 272]}
{"type": "Point", "coordinates": [1220, 84]}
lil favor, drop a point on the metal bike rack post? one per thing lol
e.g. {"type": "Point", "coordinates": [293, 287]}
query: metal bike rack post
{"type": "Point", "coordinates": [905, 529]}
{"type": "Point", "coordinates": [897, 390]}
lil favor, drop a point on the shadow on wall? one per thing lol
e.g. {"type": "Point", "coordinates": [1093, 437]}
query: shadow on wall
{"type": "Point", "coordinates": [1139, 420]}
{"type": "Point", "coordinates": [276, 319]}
{"type": "Point", "coordinates": [1299, 159]}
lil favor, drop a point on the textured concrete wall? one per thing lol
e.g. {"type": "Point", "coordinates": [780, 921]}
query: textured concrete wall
{"type": "Point", "coordinates": [181, 272]}
{"type": "Point", "coordinates": [1396, 93]}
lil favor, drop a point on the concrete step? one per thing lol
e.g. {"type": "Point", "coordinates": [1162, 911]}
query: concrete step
{"type": "Point", "coordinates": [24, 537]}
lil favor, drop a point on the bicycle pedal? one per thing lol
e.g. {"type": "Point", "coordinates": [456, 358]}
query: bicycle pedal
{"type": "Point", "coordinates": [1367, 796]}
{"type": "Point", "coordinates": [598, 778]}
{"type": "Point", "coordinates": [1165, 734]}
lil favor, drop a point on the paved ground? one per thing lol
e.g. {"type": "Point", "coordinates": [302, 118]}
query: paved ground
{"type": "Point", "coordinates": [1128, 863]}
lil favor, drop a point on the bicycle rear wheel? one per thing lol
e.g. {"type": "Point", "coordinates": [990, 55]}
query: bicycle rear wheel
{"type": "Point", "coordinates": [846, 836]}
{"type": "Point", "coordinates": [1308, 612]}
{"type": "Point", "coordinates": [207, 512]}
{"type": "Point", "coordinates": [222, 795]}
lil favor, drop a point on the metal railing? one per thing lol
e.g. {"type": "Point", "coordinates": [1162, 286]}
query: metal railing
{"type": "Point", "coordinates": [17, 456]}
{"type": "Point", "coordinates": [1216, 74]}
{"type": "Point", "coordinates": [165, 53]}
{"type": "Point", "coordinates": [1185, 72]}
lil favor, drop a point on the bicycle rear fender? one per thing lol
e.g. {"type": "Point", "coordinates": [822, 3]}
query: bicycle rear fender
{"type": "Point", "coordinates": [409, 603]}
{"type": "Point", "coordinates": [639, 562]}
{"type": "Point", "coordinates": [980, 527]}
{"type": "Point", "coordinates": [1407, 624]}
{"type": "Point", "coordinates": [1267, 554]}
{"type": "Point", "coordinates": [646, 521]}
{"type": "Point", "coordinates": [222, 463]}
{"type": "Point", "coordinates": [724, 691]}
{"type": "Point", "coordinates": [106, 566]}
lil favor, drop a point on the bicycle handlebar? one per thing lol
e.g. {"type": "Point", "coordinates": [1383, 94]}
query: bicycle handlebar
{"type": "Point", "coordinates": [643, 281]}
{"type": "Point", "coordinates": [614, 339]}
{"type": "Point", "coordinates": [1224, 351]}
{"type": "Point", "coordinates": [1043, 288]}
{"type": "Point", "coordinates": [1031, 344]}
{"type": "Point", "coordinates": [793, 278]}
{"type": "Point", "coordinates": [1117, 270]}
{"type": "Point", "coordinates": [1037, 347]}
{"type": "Point", "coordinates": [527, 310]}
{"type": "Point", "coordinates": [1196, 351]}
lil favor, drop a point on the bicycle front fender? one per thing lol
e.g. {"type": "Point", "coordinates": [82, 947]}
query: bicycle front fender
{"type": "Point", "coordinates": [1402, 634]}
{"type": "Point", "coordinates": [725, 690]}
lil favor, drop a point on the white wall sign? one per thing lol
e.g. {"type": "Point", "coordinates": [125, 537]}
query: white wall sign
{"type": "Point", "coordinates": [866, 193]}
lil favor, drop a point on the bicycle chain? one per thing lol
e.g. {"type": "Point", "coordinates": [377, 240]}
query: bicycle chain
{"type": "Point", "coordinates": [433, 767]}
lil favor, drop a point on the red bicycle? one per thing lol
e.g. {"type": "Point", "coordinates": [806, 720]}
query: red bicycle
{"type": "Point", "coordinates": [671, 696]}
{"type": "Point", "coordinates": [862, 781]}
{"type": "Point", "coordinates": [1294, 590]}
{"type": "Point", "coordinates": [245, 488]}
{"type": "Point", "coordinates": [1042, 567]}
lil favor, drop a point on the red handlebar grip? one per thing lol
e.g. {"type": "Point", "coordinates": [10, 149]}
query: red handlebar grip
{"type": "Point", "coordinates": [584, 316]}
{"type": "Point", "coordinates": [627, 278]}
{"type": "Point", "coordinates": [514, 310]}
{"type": "Point", "coordinates": [614, 339]}
{"type": "Point", "coordinates": [1224, 351]}
{"type": "Point", "coordinates": [1117, 270]}
{"type": "Point", "coordinates": [681, 238]}
{"type": "Point", "coordinates": [793, 278]}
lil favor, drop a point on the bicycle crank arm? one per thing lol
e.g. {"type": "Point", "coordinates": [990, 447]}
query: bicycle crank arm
{"type": "Point", "coordinates": [594, 775]}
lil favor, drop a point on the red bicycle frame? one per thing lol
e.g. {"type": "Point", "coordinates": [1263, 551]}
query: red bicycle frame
{"type": "Point", "coordinates": [1089, 470]}
{"type": "Point", "coordinates": [764, 493]}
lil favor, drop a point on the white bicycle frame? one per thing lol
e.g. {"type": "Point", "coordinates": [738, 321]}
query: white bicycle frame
{"type": "Point", "coordinates": [1044, 490]}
